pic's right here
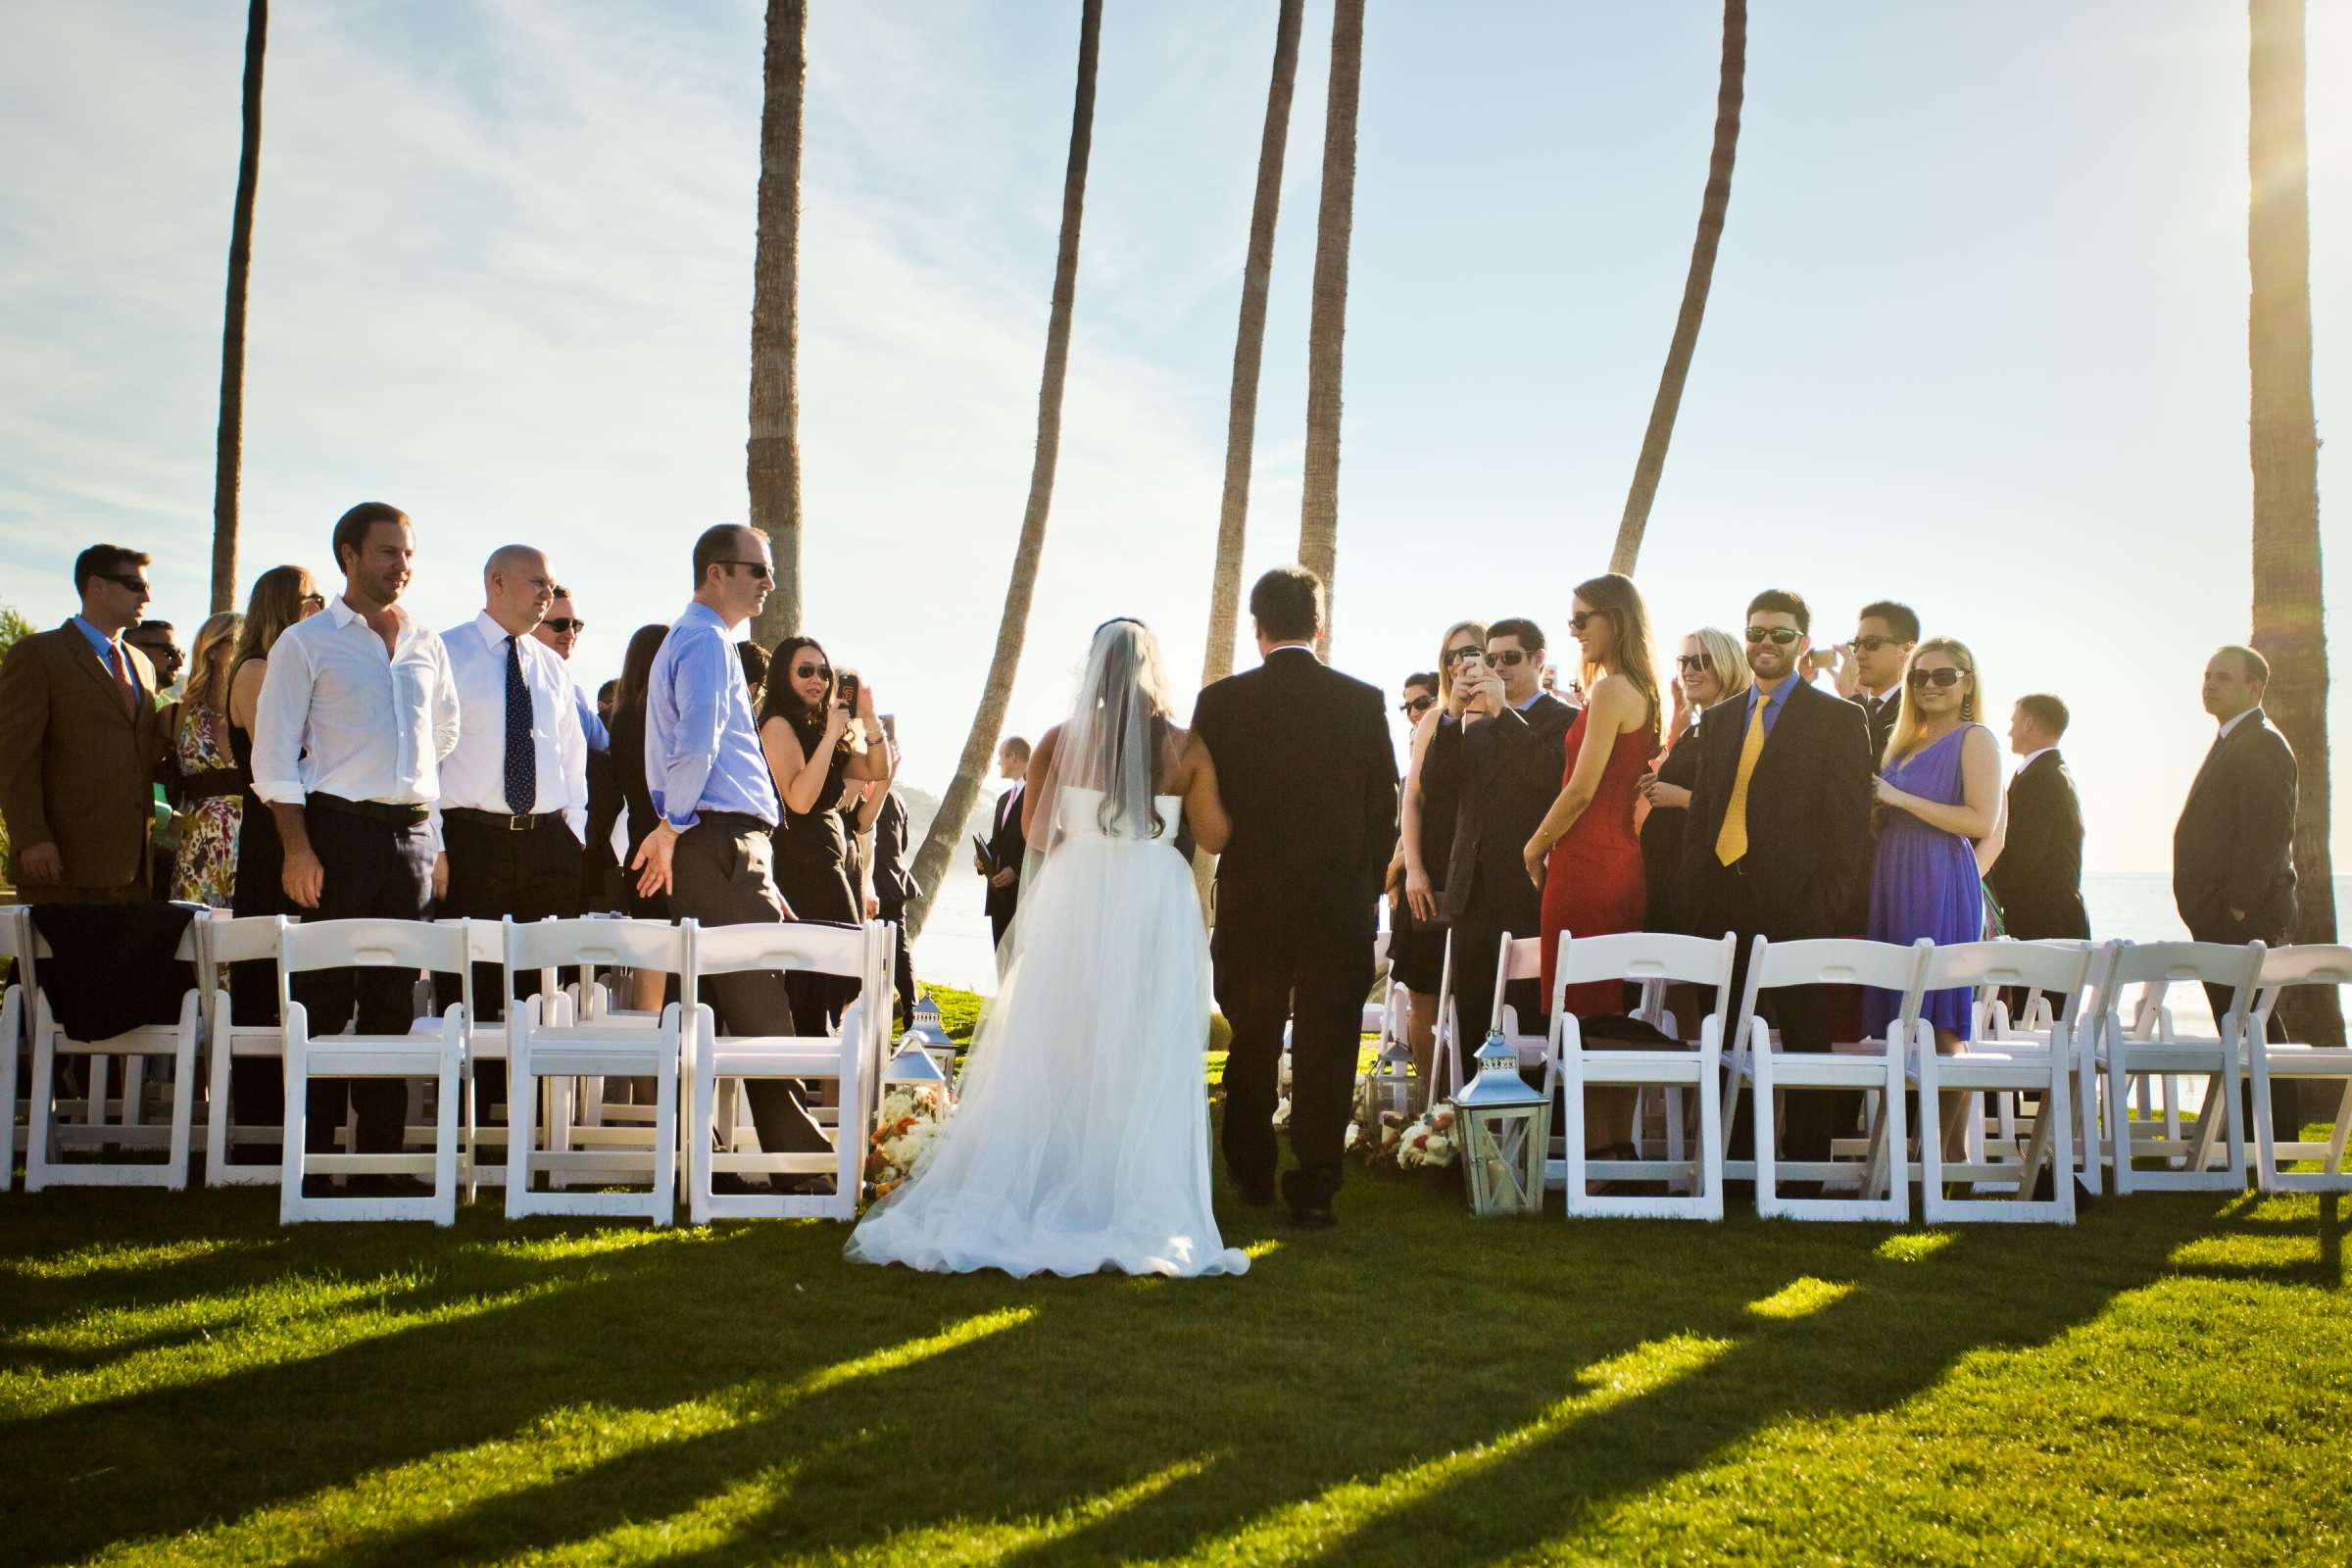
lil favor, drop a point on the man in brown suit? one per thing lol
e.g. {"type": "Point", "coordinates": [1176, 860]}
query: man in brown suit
{"type": "Point", "coordinates": [80, 740]}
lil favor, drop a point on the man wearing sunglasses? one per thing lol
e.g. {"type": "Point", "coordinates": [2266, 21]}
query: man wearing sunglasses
{"type": "Point", "coordinates": [1513, 741]}
{"type": "Point", "coordinates": [80, 742]}
{"type": "Point", "coordinates": [1870, 669]}
{"type": "Point", "coordinates": [560, 629]}
{"type": "Point", "coordinates": [712, 851]}
{"type": "Point", "coordinates": [1778, 841]}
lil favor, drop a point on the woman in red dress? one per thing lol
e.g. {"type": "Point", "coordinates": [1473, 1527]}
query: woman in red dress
{"type": "Point", "coordinates": [1585, 854]}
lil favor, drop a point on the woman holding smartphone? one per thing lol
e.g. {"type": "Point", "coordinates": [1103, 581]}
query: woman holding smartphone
{"type": "Point", "coordinates": [817, 737]}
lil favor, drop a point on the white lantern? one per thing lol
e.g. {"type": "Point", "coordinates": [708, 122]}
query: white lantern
{"type": "Point", "coordinates": [1504, 1125]}
{"type": "Point", "coordinates": [1390, 1086]}
{"type": "Point", "coordinates": [913, 1067]}
{"type": "Point", "coordinates": [929, 1031]}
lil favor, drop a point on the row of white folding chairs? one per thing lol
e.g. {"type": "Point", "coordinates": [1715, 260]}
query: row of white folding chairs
{"type": "Point", "coordinates": [547, 1041]}
{"type": "Point", "coordinates": [2078, 1063]}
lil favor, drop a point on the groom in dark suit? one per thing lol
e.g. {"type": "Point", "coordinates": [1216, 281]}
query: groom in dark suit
{"type": "Point", "coordinates": [1306, 772]}
{"type": "Point", "coordinates": [2038, 878]}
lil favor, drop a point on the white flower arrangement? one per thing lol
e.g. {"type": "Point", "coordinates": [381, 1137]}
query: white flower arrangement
{"type": "Point", "coordinates": [1428, 1143]}
{"type": "Point", "coordinates": [906, 1136]}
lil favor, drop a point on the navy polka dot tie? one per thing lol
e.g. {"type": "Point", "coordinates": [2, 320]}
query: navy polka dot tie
{"type": "Point", "coordinates": [522, 762]}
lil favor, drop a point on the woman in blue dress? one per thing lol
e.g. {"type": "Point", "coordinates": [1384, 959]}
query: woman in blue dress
{"type": "Point", "coordinates": [1940, 821]}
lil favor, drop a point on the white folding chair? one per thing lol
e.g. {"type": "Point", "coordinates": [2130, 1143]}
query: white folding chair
{"type": "Point", "coordinates": [863, 953]}
{"type": "Point", "coordinates": [2313, 964]}
{"type": "Point", "coordinates": [2084, 1015]}
{"type": "Point", "coordinates": [1377, 1014]}
{"type": "Point", "coordinates": [1876, 1067]}
{"type": "Point", "coordinates": [1446, 1056]}
{"type": "Point", "coordinates": [2016, 1066]}
{"type": "Point", "coordinates": [542, 1042]}
{"type": "Point", "coordinates": [1518, 958]}
{"type": "Point", "coordinates": [237, 941]}
{"type": "Point", "coordinates": [14, 929]}
{"type": "Point", "coordinates": [313, 945]}
{"type": "Point", "coordinates": [1642, 957]}
{"type": "Point", "coordinates": [2155, 1048]}
{"type": "Point", "coordinates": [47, 1137]}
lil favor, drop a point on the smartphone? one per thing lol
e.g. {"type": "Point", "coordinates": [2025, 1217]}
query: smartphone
{"type": "Point", "coordinates": [849, 688]}
{"type": "Point", "coordinates": [1825, 659]}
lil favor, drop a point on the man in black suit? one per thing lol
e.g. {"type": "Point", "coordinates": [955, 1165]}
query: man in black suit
{"type": "Point", "coordinates": [1006, 843]}
{"type": "Point", "coordinates": [1779, 831]}
{"type": "Point", "coordinates": [2233, 875]}
{"type": "Point", "coordinates": [1512, 740]}
{"type": "Point", "coordinates": [1307, 773]}
{"type": "Point", "coordinates": [894, 886]}
{"type": "Point", "coordinates": [1872, 670]}
{"type": "Point", "coordinates": [2037, 881]}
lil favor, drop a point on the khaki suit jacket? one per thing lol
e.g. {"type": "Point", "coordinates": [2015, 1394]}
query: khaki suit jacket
{"type": "Point", "coordinates": [76, 771]}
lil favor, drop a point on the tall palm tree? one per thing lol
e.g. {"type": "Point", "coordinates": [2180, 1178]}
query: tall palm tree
{"type": "Point", "coordinates": [2284, 445]}
{"type": "Point", "coordinates": [947, 828]}
{"type": "Point", "coordinates": [1327, 327]}
{"type": "Point", "coordinates": [1248, 350]}
{"type": "Point", "coordinates": [1731, 88]}
{"type": "Point", "coordinates": [773, 455]}
{"type": "Point", "coordinates": [229, 458]}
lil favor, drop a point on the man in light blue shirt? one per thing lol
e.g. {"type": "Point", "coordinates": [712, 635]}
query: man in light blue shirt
{"type": "Point", "coordinates": [710, 783]}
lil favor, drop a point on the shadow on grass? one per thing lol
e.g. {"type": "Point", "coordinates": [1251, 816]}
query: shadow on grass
{"type": "Point", "coordinates": [1412, 1384]}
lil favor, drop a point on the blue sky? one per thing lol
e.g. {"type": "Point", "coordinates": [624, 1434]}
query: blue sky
{"type": "Point", "coordinates": [1977, 336]}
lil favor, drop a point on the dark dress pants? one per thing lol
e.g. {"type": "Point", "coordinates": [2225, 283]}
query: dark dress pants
{"type": "Point", "coordinates": [895, 914]}
{"type": "Point", "coordinates": [377, 869]}
{"type": "Point", "coordinates": [1803, 1016]}
{"type": "Point", "coordinates": [1322, 997]}
{"type": "Point", "coordinates": [721, 874]}
{"type": "Point", "coordinates": [1478, 933]}
{"type": "Point", "coordinates": [495, 872]}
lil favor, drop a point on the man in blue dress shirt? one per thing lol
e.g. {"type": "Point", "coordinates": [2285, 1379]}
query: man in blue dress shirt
{"type": "Point", "coordinates": [712, 851]}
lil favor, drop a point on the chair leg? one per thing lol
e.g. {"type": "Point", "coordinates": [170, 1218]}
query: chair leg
{"type": "Point", "coordinates": [522, 1112]}
{"type": "Point", "coordinates": [183, 1106]}
{"type": "Point", "coordinates": [2118, 1121]}
{"type": "Point", "coordinates": [11, 1040]}
{"type": "Point", "coordinates": [1765, 1097]}
{"type": "Point", "coordinates": [445, 1140]}
{"type": "Point", "coordinates": [699, 1133]}
{"type": "Point", "coordinates": [1930, 1135]}
{"type": "Point", "coordinates": [297, 1129]}
{"type": "Point", "coordinates": [666, 1142]}
{"type": "Point", "coordinates": [40, 1112]}
{"type": "Point", "coordinates": [2266, 1132]}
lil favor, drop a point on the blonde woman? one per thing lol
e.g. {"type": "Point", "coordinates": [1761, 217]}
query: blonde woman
{"type": "Point", "coordinates": [1709, 668]}
{"type": "Point", "coordinates": [212, 798]}
{"type": "Point", "coordinates": [1939, 823]}
{"type": "Point", "coordinates": [1431, 804]}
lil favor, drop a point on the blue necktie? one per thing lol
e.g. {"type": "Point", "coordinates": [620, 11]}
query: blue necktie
{"type": "Point", "coordinates": [522, 761]}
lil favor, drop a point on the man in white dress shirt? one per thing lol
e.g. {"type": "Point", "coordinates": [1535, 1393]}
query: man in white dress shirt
{"type": "Point", "coordinates": [356, 714]}
{"type": "Point", "coordinates": [514, 806]}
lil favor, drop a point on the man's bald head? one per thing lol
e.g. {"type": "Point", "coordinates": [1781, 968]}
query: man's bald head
{"type": "Point", "coordinates": [517, 586]}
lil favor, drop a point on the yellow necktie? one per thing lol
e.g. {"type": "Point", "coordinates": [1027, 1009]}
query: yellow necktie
{"type": "Point", "coordinates": [1730, 845]}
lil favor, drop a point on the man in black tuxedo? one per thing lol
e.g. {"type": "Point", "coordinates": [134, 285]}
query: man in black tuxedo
{"type": "Point", "coordinates": [1512, 740]}
{"type": "Point", "coordinates": [2233, 875]}
{"type": "Point", "coordinates": [1872, 670]}
{"type": "Point", "coordinates": [2037, 881]}
{"type": "Point", "coordinates": [1308, 775]}
{"type": "Point", "coordinates": [1779, 832]}
{"type": "Point", "coordinates": [1006, 843]}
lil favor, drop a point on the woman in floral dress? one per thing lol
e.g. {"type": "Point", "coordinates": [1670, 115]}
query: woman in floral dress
{"type": "Point", "coordinates": [212, 808]}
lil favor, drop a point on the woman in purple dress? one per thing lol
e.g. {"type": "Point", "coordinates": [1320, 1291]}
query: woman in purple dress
{"type": "Point", "coordinates": [1939, 823]}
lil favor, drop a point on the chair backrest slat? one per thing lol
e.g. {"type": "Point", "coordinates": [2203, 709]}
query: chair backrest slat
{"type": "Point", "coordinates": [790, 945]}
{"type": "Point", "coordinates": [375, 944]}
{"type": "Point", "coordinates": [609, 944]}
{"type": "Point", "coordinates": [246, 939]}
{"type": "Point", "coordinates": [2029, 965]}
{"type": "Point", "coordinates": [2309, 963]}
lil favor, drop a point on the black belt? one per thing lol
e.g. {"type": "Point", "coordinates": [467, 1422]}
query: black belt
{"type": "Point", "coordinates": [374, 810]}
{"type": "Point", "coordinates": [732, 823]}
{"type": "Point", "coordinates": [211, 784]}
{"type": "Point", "coordinates": [502, 821]}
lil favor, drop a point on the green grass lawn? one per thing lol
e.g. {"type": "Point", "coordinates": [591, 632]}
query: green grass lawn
{"type": "Point", "coordinates": [182, 1380]}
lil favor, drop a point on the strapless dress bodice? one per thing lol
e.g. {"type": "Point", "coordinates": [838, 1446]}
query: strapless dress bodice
{"type": "Point", "coordinates": [1081, 814]}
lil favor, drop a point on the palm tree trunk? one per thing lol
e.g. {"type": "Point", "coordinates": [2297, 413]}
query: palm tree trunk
{"type": "Point", "coordinates": [946, 833]}
{"type": "Point", "coordinates": [229, 458]}
{"type": "Point", "coordinates": [773, 455]}
{"type": "Point", "coordinates": [2285, 444]}
{"type": "Point", "coordinates": [1327, 327]}
{"type": "Point", "coordinates": [1730, 89]}
{"type": "Point", "coordinates": [1248, 350]}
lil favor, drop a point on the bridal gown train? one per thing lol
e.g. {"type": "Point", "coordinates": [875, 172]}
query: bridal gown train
{"type": "Point", "coordinates": [1081, 1140]}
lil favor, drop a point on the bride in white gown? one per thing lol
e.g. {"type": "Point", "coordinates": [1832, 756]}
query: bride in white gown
{"type": "Point", "coordinates": [1081, 1139]}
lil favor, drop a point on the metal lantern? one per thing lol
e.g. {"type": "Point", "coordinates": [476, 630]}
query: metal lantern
{"type": "Point", "coordinates": [1504, 1127]}
{"type": "Point", "coordinates": [1390, 1085]}
{"type": "Point", "coordinates": [929, 1031]}
{"type": "Point", "coordinates": [913, 1067]}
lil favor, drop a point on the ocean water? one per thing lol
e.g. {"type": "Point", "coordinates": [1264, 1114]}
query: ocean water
{"type": "Point", "coordinates": [955, 949]}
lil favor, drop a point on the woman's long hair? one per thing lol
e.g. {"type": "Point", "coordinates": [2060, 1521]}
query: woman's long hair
{"type": "Point", "coordinates": [1908, 721]}
{"type": "Point", "coordinates": [783, 701]}
{"type": "Point", "coordinates": [1476, 629]}
{"type": "Point", "coordinates": [209, 661]}
{"type": "Point", "coordinates": [275, 603]}
{"type": "Point", "coordinates": [1613, 594]}
{"type": "Point", "coordinates": [637, 669]}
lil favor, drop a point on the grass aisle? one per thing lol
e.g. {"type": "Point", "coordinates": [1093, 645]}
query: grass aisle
{"type": "Point", "coordinates": [183, 1380]}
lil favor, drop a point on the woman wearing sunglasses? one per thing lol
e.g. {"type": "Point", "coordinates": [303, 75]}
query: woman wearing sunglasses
{"type": "Point", "coordinates": [1427, 813]}
{"type": "Point", "coordinates": [1940, 823]}
{"type": "Point", "coordinates": [814, 743]}
{"type": "Point", "coordinates": [1709, 668]}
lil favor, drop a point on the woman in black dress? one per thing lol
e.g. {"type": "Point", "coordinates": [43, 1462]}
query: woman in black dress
{"type": "Point", "coordinates": [1430, 805]}
{"type": "Point", "coordinates": [281, 596]}
{"type": "Point", "coordinates": [627, 728]}
{"type": "Point", "coordinates": [815, 744]}
{"type": "Point", "coordinates": [1710, 669]}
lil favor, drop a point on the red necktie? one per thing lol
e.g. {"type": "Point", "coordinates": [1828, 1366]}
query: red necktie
{"type": "Point", "coordinates": [122, 677]}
